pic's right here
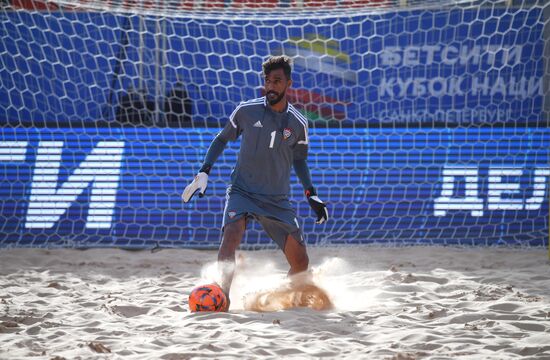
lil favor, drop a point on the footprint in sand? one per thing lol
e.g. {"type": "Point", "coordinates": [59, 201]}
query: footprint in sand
{"type": "Point", "coordinates": [295, 294]}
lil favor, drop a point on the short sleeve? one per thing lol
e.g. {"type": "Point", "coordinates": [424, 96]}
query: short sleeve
{"type": "Point", "coordinates": [231, 130]}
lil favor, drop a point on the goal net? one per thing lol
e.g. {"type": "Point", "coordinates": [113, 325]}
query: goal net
{"type": "Point", "coordinates": [429, 120]}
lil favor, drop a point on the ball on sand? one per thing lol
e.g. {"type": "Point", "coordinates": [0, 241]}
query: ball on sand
{"type": "Point", "coordinates": [208, 297]}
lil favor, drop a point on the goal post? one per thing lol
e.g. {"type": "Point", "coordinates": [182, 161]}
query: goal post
{"type": "Point", "coordinates": [546, 14]}
{"type": "Point", "coordinates": [429, 120]}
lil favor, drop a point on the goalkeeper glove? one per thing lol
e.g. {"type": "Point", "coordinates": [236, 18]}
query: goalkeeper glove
{"type": "Point", "coordinates": [199, 183]}
{"type": "Point", "coordinates": [317, 205]}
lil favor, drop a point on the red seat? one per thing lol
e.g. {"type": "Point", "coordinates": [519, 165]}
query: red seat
{"type": "Point", "coordinates": [338, 4]}
{"type": "Point", "coordinates": [243, 4]}
{"type": "Point", "coordinates": [33, 5]}
{"type": "Point", "coordinates": [364, 3]}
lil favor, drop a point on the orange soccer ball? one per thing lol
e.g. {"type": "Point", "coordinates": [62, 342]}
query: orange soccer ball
{"type": "Point", "coordinates": [208, 298]}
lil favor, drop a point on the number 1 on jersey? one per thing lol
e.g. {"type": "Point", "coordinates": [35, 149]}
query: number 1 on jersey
{"type": "Point", "coordinates": [272, 142]}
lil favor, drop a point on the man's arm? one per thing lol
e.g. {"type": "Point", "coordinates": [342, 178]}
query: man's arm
{"type": "Point", "coordinates": [230, 132]}
{"type": "Point", "coordinates": [200, 182]}
{"type": "Point", "coordinates": [302, 171]}
{"type": "Point", "coordinates": [214, 151]}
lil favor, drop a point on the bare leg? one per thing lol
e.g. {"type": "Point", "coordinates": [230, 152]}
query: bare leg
{"type": "Point", "coordinates": [232, 236]}
{"type": "Point", "coordinates": [296, 255]}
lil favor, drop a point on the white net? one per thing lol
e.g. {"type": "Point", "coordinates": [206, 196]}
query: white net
{"type": "Point", "coordinates": [247, 9]}
{"type": "Point", "coordinates": [428, 119]}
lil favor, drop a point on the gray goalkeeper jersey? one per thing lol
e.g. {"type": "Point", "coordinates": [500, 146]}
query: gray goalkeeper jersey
{"type": "Point", "coordinates": [270, 142]}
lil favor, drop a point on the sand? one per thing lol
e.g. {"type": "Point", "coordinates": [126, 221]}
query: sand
{"type": "Point", "coordinates": [388, 303]}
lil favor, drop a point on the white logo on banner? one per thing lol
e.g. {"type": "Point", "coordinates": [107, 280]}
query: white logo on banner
{"type": "Point", "coordinates": [504, 190]}
{"type": "Point", "coordinates": [483, 83]}
{"type": "Point", "coordinates": [49, 201]}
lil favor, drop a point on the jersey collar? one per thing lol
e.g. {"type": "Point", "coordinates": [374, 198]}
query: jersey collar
{"type": "Point", "coordinates": [269, 107]}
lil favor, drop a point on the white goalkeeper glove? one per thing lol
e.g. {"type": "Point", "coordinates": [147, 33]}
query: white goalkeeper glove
{"type": "Point", "coordinates": [317, 205]}
{"type": "Point", "coordinates": [199, 183]}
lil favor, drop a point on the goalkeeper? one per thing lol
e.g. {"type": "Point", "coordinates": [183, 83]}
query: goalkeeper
{"type": "Point", "coordinates": [274, 139]}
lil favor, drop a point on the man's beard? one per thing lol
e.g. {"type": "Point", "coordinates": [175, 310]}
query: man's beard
{"type": "Point", "coordinates": [275, 100]}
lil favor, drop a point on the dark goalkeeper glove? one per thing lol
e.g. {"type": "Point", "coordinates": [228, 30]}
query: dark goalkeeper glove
{"type": "Point", "coordinates": [317, 205]}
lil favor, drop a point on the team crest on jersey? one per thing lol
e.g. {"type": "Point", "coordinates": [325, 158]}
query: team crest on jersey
{"type": "Point", "coordinates": [232, 214]}
{"type": "Point", "coordinates": [287, 132]}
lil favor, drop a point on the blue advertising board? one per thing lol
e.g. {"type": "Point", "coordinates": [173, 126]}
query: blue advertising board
{"type": "Point", "coordinates": [88, 188]}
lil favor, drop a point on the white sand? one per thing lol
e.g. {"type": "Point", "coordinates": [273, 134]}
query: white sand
{"type": "Point", "coordinates": [391, 303]}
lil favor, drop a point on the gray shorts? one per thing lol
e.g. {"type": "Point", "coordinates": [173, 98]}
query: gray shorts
{"type": "Point", "coordinates": [274, 213]}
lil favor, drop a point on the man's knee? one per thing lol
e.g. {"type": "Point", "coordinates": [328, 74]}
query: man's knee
{"type": "Point", "coordinates": [296, 254]}
{"type": "Point", "coordinates": [235, 228]}
{"type": "Point", "coordinates": [233, 232]}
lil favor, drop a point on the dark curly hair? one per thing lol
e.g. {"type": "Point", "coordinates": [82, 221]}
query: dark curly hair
{"type": "Point", "coordinates": [278, 62]}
